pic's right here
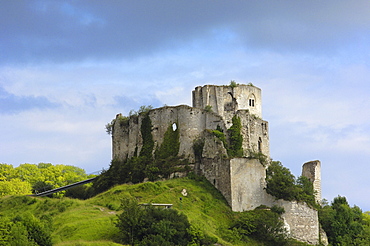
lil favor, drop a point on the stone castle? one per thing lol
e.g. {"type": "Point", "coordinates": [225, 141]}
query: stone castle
{"type": "Point", "coordinates": [240, 180]}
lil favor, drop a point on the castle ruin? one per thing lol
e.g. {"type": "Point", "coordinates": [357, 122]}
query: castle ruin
{"type": "Point", "coordinates": [241, 180]}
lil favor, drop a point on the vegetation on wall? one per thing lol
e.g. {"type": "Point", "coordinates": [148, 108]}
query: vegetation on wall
{"type": "Point", "coordinates": [146, 134]}
{"type": "Point", "coordinates": [208, 108]}
{"type": "Point", "coordinates": [235, 148]}
{"type": "Point", "coordinates": [219, 133]}
{"type": "Point", "coordinates": [282, 184]}
{"type": "Point", "coordinates": [233, 84]}
{"type": "Point", "coordinates": [198, 146]}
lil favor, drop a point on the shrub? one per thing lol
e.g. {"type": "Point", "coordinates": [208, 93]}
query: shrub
{"type": "Point", "coordinates": [152, 226]}
{"type": "Point", "coordinates": [233, 84]}
{"type": "Point", "coordinates": [263, 225]}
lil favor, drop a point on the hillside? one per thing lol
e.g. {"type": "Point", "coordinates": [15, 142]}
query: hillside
{"type": "Point", "coordinates": [91, 222]}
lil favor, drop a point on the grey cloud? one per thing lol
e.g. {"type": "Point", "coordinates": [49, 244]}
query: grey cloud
{"type": "Point", "coordinates": [11, 104]}
{"type": "Point", "coordinates": [36, 31]}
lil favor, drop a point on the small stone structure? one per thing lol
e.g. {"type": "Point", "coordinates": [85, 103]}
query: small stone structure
{"type": "Point", "coordinates": [240, 180]}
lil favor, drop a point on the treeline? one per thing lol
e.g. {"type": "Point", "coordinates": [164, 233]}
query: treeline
{"type": "Point", "coordinates": [35, 178]}
{"type": "Point", "coordinates": [343, 224]}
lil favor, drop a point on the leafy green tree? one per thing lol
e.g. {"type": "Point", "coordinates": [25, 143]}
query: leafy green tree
{"type": "Point", "coordinates": [152, 226]}
{"type": "Point", "coordinates": [343, 225]}
{"type": "Point", "coordinates": [38, 231]}
{"type": "Point", "coordinates": [280, 182]}
{"type": "Point", "coordinates": [7, 172]}
{"type": "Point", "coordinates": [130, 221]}
{"type": "Point", "coordinates": [14, 187]}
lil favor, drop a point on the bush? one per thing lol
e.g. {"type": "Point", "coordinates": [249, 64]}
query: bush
{"type": "Point", "coordinates": [152, 226]}
{"type": "Point", "coordinates": [262, 224]}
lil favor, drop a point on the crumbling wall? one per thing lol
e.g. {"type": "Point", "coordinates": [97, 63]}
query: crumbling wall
{"type": "Point", "coordinates": [191, 123]}
{"type": "Point", "coordinates": [247, 184]}
{"type": "Point", "coordinates": [255, 133]}
{"type": "Point", "coordinates": [301, 221]}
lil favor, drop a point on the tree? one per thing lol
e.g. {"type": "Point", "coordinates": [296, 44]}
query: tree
{"type": "Point", "coordinates": [280, 182]}
{"type": "Point", "coordinates": [130, 220]}
{"type": "Point", "coordinates": [152, 226]}
{"type": "Point", "coordinates": [343, 225]}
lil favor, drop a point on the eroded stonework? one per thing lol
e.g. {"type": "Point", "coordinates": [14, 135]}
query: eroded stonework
{"type": "Point", "coordinates": [240, 180]}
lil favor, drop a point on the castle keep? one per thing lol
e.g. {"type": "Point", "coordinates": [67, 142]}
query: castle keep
{"type": "Point", "coordinates": [241, 180]}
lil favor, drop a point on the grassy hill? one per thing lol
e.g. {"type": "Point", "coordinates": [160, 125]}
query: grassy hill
{"type": "Point", "coordinates": [91, 222]}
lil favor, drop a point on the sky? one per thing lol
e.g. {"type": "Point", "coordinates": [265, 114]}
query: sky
{"type": "Point", "coordinates": [68, 67]}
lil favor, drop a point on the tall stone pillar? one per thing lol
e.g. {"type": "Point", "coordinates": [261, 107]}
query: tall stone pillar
{"type": "Point", "coordinates": [312, 170]}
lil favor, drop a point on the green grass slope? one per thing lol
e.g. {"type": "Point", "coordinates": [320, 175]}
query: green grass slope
{"type": "Point", "coordinates": [91, 222]}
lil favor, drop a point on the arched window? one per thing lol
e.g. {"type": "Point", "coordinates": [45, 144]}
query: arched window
{"type": "Point", "coordinates": [251, 100]}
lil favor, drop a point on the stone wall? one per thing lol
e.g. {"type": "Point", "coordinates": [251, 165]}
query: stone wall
{"type": "Point", "coordinates": [301, 221]}
{"type": "Point", "coordinates": [191, 123]}
{"type": "Point", "coordinates": [247, 184]}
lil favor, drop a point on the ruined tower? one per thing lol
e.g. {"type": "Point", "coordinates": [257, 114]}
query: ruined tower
{"type": "Point", "coordinates": [312, 171]}
{"type": "Point", "coordinates": [245, 101]}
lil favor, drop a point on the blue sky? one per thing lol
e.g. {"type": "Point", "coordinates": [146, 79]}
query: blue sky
{"type": "Point", "coordinates": [68, 67]}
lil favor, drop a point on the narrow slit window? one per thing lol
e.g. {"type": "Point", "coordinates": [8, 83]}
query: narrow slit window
{"type": "Point", "coordinates": [251, 102]}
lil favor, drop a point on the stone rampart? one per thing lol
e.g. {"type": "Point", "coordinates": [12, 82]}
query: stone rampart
{"type": "Point", "coordinates": [302, 222]}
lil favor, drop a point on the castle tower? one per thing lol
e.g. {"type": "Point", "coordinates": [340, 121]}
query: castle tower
{"type": "Point", "coordinates": [312, 170]}
{"type": "Point", "coordinates": [245, 101]}
{"type": "Point", "coordinates": [226, 100]}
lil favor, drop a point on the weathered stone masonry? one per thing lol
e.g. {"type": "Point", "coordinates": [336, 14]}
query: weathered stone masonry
{"type": "Point", "coordinates": [240, 180]}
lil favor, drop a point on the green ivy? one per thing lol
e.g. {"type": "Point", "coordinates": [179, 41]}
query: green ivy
{"type": "Point", "coordinates": [235, 138]}
{"type": "Point", "coordinates": [170, 145]}
{"type": "Point", "coordinates": [146, 133]}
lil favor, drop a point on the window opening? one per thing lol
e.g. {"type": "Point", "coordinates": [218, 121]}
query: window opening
{"type": "Point", "coordinates": [174, 126]}
{"type": "Point", "coordinates": [251, 102]}
{"type": "Point", "coordinates": [260, 145]}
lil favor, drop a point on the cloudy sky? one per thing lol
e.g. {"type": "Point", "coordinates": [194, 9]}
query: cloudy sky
{"type": "Point", "coordinates": [68, 67]}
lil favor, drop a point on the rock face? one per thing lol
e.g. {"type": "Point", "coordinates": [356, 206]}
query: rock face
{"type": "Point", "coordinates": [240, 180]}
